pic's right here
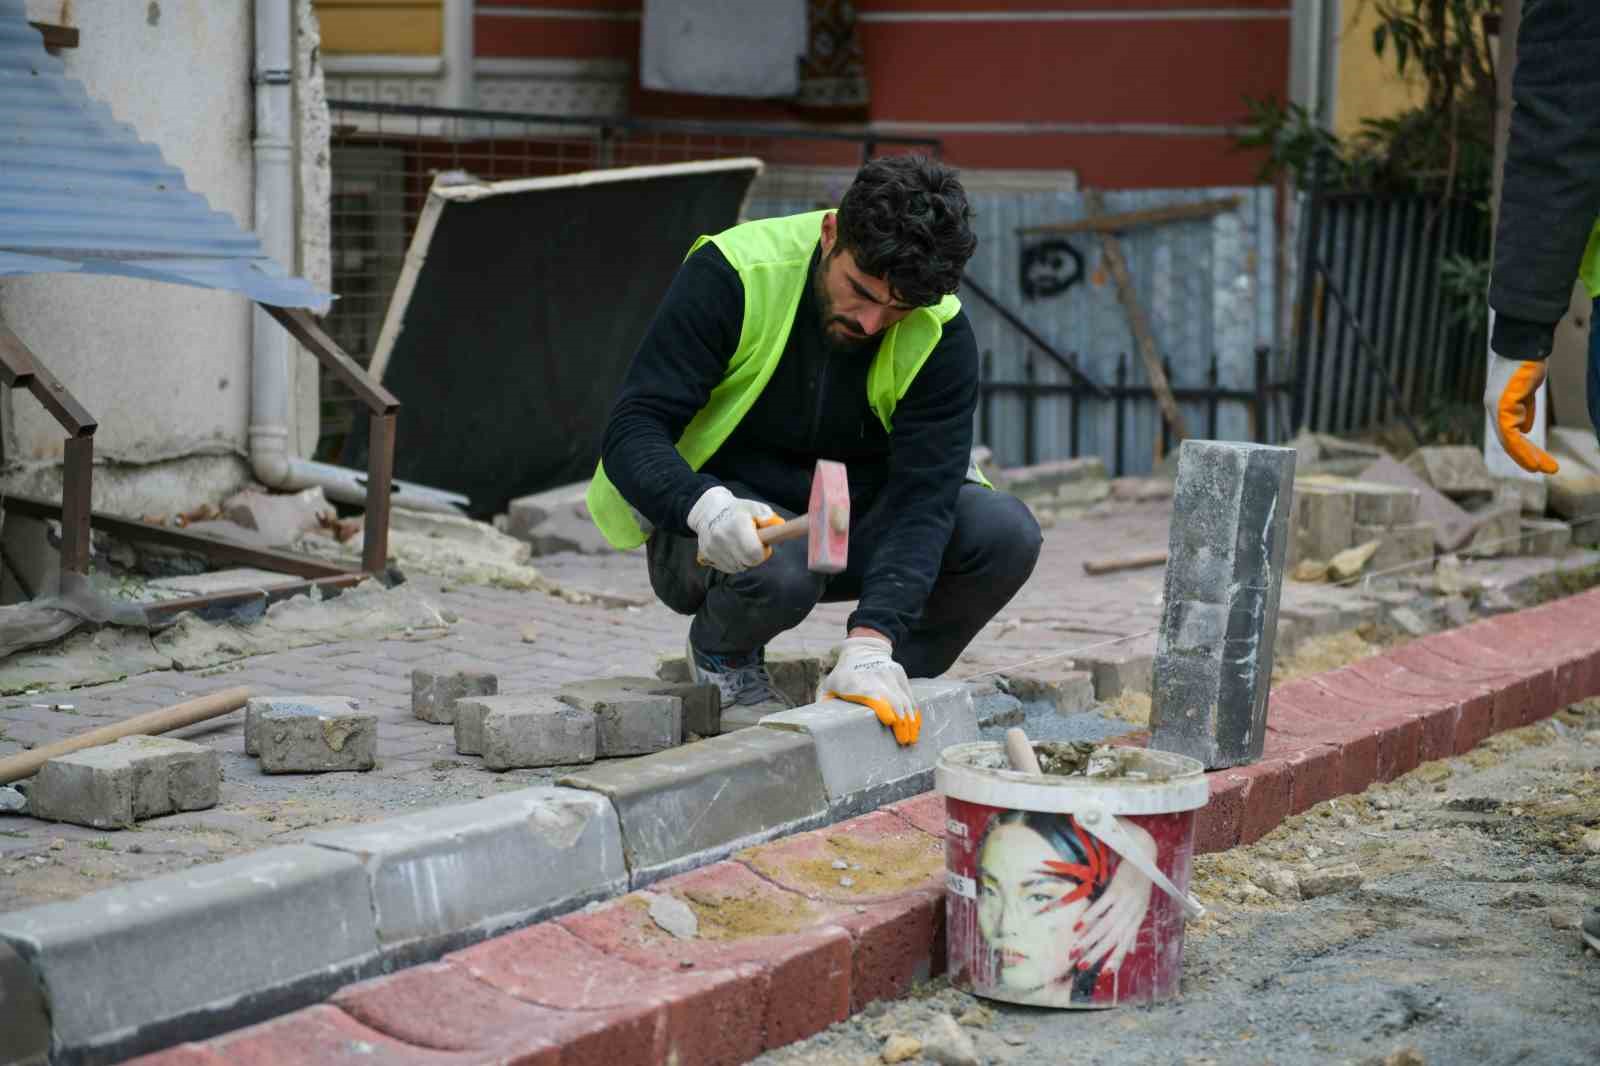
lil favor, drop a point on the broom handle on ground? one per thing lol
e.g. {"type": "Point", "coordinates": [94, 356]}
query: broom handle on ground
{"type": "Point", "coordinates": [16, 767]}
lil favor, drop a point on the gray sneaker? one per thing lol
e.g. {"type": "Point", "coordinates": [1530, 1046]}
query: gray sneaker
{"type": "Point", "coordinates": [742, 679]}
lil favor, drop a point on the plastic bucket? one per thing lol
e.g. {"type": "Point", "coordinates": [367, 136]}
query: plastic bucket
{"type": "Point", "coordinates": [1068, 891]}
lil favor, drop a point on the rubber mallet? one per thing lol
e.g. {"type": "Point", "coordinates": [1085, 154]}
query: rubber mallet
{"type": "Point", "coordinates": [826, 522]}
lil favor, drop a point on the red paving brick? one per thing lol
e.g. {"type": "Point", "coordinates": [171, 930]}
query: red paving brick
{"type": "Point", "coordinates": [926, 812]}
{"type": "Point", "coordinates": [797, 981]}
{"type": "Point", "coordinates": [1216, 825]}
{"type": "Point", "coordinates": [894, 859]}
{"type": "Point", "coordinates": [1266, 797]}
{"type": "Point", "coordinates": [440, 1006]}
{"type": "Point", "coordinates": [327, 1036]}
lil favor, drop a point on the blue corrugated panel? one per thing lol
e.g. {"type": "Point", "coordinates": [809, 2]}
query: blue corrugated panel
{"type": "Point", "coordinates": [80, 193]}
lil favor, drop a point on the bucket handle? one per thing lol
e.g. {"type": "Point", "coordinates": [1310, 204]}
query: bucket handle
{"type": "Point", "coordinates": [1109, 828]}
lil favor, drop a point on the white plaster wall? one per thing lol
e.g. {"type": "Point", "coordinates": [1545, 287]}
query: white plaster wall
{"type": "Point", "coordinates": [315, 193]}
{"type": "Point", "coordinates": [164, 368]}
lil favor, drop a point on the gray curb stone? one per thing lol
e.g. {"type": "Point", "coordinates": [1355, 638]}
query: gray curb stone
{"type": "Point", "coordinates": [862, 765]}
{"type": "Point", "coordinates": [458, 874]}
{"type": "Point", "coordinates": [691, 803]}
{"type": "Point", "coordinates": [218, 938]}
{"type": "Point", "coordinates": [24, 1024]}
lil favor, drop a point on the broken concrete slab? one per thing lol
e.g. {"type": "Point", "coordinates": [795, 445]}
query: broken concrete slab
{"type": "Point", "coordinates": [304, 738]}
{"type": "Point", "coordinates": [279, 518]}
{"type": "Point", "coordinates": [1229, 539]}
{"type": "Point", "coordinates": [526, 513]}
{"type": "Point", "coordinates": [1452, 525]}
{"type": "Point", "coordinates": [1456, 470]}
{"type": "Point", "coordinates": [299, 704]}
{"type": "Point", "coordinates": [528, 731]}
{"type": "Point", "coordinates": [115, 785]}
{"type": "Point", "coordinates": [629, 719]}
{"type": "Point", "coordinates": [434, 693]}
{"type": "Point", "coordinates": [240, 938]}
{"type": "Point", "coordinates": [485, 866]}
{"type": "Point", "coordinates": [1065, 690]}
{"type": "Point", "coordinates": [1542, 536]}
{"type": "Point", "coordinates": [1496, 529]}
{"type": "Point", "coordinates": [699, 802]}
{"type": "Point", "coordinates": [1322, 517]}
{"type": "Point", "coordinates": [862, 765]}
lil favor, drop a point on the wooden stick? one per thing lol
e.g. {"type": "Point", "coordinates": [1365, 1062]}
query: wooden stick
{"type": "Point", "coordinates": [1142, 334]}
{"type": "Point", "coordinates": [16, 767]}
{"type": "Point", "coordinates": [1124, 562]}
{"type": "Point", "coordinates": [1155, 216]}
{"type": "Point", "coordinates": [1020, 752]}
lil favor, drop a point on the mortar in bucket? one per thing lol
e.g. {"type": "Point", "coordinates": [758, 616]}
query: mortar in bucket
{"type": "Point", "coordinates": [1069, 889]}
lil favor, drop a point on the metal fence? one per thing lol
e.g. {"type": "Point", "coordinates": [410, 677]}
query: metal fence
{"type": "Point", "coordinates": [1210, 287]}
{"type": "Point", "coordinates": [1377, 337]}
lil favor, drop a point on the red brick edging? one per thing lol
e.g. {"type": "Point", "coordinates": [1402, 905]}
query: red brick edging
{"type": "Point", "coordinates": [603, 987]}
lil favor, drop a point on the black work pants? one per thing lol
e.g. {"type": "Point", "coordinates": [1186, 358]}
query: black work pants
{"type": "Point", "coordinates": [991, 552]}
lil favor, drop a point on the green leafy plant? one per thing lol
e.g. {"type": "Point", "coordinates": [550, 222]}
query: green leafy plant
{"type": "Point", "coordinates": [1465, 282]}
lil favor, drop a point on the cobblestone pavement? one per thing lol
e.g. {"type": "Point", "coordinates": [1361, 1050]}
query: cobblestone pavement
{"type": "Point", "coordinates": [534, 642]}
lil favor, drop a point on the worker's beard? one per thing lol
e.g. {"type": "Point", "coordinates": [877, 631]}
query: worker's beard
{"type": "Point", "coordinates": [842, 335]}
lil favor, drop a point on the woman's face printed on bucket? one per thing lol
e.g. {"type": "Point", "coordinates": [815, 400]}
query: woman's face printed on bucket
{"type": "Point", "coordinates": [1033, 888]}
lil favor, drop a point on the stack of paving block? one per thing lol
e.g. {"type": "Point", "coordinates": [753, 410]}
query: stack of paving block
{"type": "Point", "coordinates": [1331, 517]}
{"type": "Point", "coordinates": [1506, 514]}
{"type": "Point", "coordinates": [1059, 489]}
{"type": "Point", "coordinates": [1574, 490]}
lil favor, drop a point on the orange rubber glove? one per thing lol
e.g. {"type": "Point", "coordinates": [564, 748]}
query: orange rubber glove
{"type": "Point", "coordinates": [867, 674]}
{"type": "Point", "coordinates": [1510, 399]}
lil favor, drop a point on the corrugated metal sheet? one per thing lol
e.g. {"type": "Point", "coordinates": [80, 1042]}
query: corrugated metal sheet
{"type": "Point", "coordinates": [1208, 287]}
{"type": "Point", "coordinates": [80, 193]}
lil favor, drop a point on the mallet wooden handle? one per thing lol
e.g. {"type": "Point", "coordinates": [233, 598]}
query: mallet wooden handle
{"type": "Point", "coordinates": [793, 529]}
{"type": "Point", "coordinates": [1125, 562]}
{"type": "Point", "coordinates": [16, 767]}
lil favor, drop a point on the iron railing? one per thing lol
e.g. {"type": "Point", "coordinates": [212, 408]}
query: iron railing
{"type": "Point", "coordinates": [1376, 336]}
{"type": "Point", "coordinates": [1088, 403]}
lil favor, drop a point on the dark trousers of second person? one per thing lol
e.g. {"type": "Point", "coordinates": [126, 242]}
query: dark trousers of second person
{"type": "Point", "coordinates": [991, 553]}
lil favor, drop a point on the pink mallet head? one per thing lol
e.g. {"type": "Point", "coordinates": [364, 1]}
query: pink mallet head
{"type": "Point", "coordinates": [828, 540]}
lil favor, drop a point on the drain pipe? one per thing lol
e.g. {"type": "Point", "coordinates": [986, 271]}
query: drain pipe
{"type": "Point", "coordinates": [271, 345]}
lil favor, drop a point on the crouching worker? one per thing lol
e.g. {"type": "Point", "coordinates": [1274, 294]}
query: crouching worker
{"type": "Point", "coordinates": [830, 335]}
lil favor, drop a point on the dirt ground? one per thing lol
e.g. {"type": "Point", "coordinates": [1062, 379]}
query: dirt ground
{"type": "Point", "coordinates": [1460, 946]}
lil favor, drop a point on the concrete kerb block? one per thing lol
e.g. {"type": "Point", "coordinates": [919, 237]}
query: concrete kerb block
{"type": "Point", "coordinates": [434, 693]}
{"type": "Point", "coordinates": [257, 705]}
{"type": "Point", "coordinates": [1224, 577]}
{"type": "Point", "coordinates": [630, 718]}
{"type": "Point", "coordinates": [530, 731]}
{"type": "Point", "coordinates": [115, 785]}
{"type": "Point", "coordinates": [862, 765]}
{"type": "Point", "coordinates": [23, 1019]}
{"type": "Point", "coordinates": [443, 878]}
{"type": "Point", "coordinates": [682, 808]}
{"type": "Point", "coordinates": [306, 739]}
{"type": "Point", "coordinates": [190, 954]}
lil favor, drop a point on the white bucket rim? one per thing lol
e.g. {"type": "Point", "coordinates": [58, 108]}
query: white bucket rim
{"type": "Point", "coordinates": [957, 775]}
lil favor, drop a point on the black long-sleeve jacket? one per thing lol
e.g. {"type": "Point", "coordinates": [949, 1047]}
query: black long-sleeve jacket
{"type": "Point", "coordinates": [814, 407]}
{"type": "Point", "coordinates": [1550, 191]}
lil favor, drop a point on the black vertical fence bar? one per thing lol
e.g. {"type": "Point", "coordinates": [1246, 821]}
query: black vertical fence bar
{"type": "Point", "coordinates": [1260, 430]}
{"type": "Point", "coordinates": [1075, 410]}
{"type": "Point", "coordinates": [1353, 359]}
{"type": "Point", "coordinates": [1165, 430]}
{"type": "Point", "coordinates": [1334, 356]}
{"type": "Point", "coordinates": [1406, 356]}
{"type": "Point", "coordinates": [1211, 400]}
{"type": "Point", "coordinates": [1384, 272]}
{"type": "Point", "coordinates": [1304, 310]}
{"type": "Point", "coordinates": [1029, 455]}
{"type": "Point", "coordinates": [1427, 304]}
{"type": "Point", "coordinates": [1438, 327]}
{"type": "Point", "coordinates": [1120, 404]}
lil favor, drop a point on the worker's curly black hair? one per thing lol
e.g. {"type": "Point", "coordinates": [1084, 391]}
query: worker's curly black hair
{"type": "Point", "coordinates": [906, 219]}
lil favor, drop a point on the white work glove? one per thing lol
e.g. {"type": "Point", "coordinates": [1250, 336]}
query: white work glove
{"type": "Point", "coordinates": [867, 674]}
{"type": "Point", "coordinates": [1510, 398]}
{"type": "Point", "coordinates": [726, 526]}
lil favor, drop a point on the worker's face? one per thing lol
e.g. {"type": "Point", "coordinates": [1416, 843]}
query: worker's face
{"type": "Point", "coordinates": [855, 306]}
{"type": "Point", "coordinates": [1018, 914]}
